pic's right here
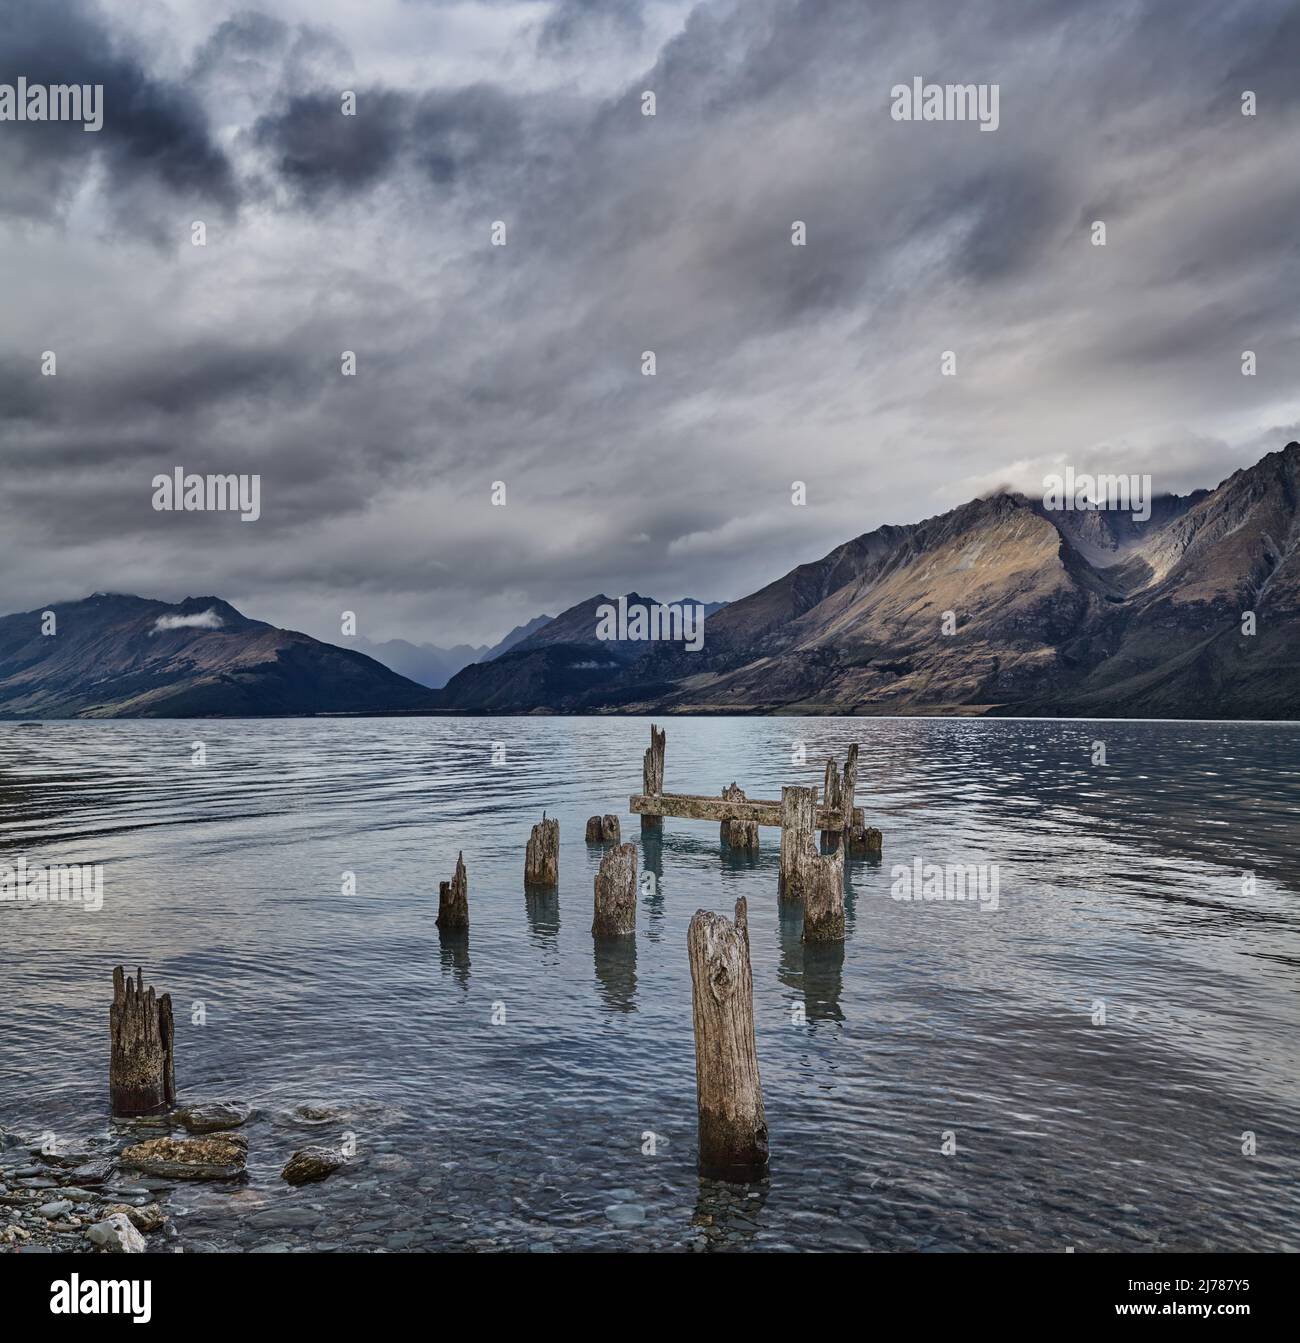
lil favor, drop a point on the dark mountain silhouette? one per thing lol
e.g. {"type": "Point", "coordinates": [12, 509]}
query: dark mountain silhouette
{"type": "Point", "coordinates": [114, 656]}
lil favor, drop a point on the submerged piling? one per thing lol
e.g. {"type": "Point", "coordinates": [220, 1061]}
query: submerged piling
{"type": "Point", "coordinates": [615, 913]}
{"type": "Point", "coordinates": [733, 1128]}
{"type": "Point", "coordinates": [141, 1069]}
{"type": "Point", "coordinates": [797, 812]}
{"type": "Point", "coordinates": [738, 834]}
{"type": "Point", "coordinates": [823, 896]}
{"type": "Point", "coordinates": [542, 857]}
{"type": "Point", "coordinates": [453, 899]}
{"type": "Point", "coordinates": [862, 840]}
{"type": "Point", "coordinates": [604, 829]}
{"type": "Point", "coordinates": [652, 773]}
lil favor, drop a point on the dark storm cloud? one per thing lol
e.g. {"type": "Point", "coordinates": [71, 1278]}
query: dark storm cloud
{"type": "Point", "coordinates": [628, 233]}
{"type": "Point", "coordinates": [315, 148]}
{"type": "Point", "coordinates": [154, 132]}
{"type": "Point", "coordinates": [445, 136]}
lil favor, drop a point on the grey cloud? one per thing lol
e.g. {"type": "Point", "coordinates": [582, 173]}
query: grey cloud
{"type": "Point", "coordinates": [669, 233]}
{"type": "Point", "coordinates": [154, 134]}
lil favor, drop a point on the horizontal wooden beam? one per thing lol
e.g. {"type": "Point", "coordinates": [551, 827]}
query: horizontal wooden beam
{"type": "Point", "coordinates": [694, 808]}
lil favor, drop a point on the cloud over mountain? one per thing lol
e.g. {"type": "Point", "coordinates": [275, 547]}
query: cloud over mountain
{"type": "Point", "coordinates": [626, 233]}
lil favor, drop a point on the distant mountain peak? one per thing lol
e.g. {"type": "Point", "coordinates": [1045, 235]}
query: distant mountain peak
{"type": "Point", "coordinates": [118, 655]}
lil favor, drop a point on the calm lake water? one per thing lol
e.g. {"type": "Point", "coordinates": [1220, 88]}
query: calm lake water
{"type": "Point", "coordinates": [1120, 885]}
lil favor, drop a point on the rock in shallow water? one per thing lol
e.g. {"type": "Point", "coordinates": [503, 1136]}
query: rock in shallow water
{"type": "Point", "coordinates": [212, 1116]}
{"type": "Point", "coordinates": [115, 1235]}
{"type": "Point", "coordinates": [94, 1172]}
{"type": "Point", "coordinates": [149, 1218]}
{"type": "Point", "coordinates": [217, 1158]}
{"type": "Point", "coordinates": [309, 1164]}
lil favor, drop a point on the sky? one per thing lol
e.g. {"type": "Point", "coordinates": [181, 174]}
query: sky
{"type": "Point", "coordinates": [624, 233]}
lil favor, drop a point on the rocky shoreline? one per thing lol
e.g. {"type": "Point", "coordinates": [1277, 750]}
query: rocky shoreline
{"type": "Point", "coordinates": [102, 1198]}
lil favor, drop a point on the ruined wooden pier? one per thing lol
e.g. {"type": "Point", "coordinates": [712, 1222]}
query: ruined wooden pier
{"type": "Point", "coordinates": [799, 814]}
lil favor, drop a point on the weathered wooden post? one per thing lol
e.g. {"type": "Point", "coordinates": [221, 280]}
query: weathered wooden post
{"type": "Point", "coordinates": [864, 840]}
{"type": "Point", "coordinates": [860, 839]}
{"type": "Point", "coordinates": [652, 773]}
{"type": "Point", "coordinates": [849, 786]}
{"type": "Point", "coordinates": [823, 900]}
{"type": "Point", "coordinates": [615, 914]}
{"type": "Point", "coordinates": [603, 829]}
{"type": "Point", "coordinates": [738, 834]}
{"type": "Point", "coordinates": [141, 1071]}
{"type": "Point", "coordinates": [542, 857]}
{"type": "Point", "coordinates": [796, 826]}
{"type": "Point", "coordinates": [453, 900]}
{"type": "Point", "coordinates": [830, 838]}
{"type": "Point", "coordinates": [733, 1129]}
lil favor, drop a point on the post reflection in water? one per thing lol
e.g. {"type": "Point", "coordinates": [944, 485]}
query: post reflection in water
{"type": "Point", "coordinates": [815, 973]}
{"type": "Point", "coordinates": [652, 890]}
{"type": "Point", "coordinates": [542, 906]}
{"type": "Point", "coordinates": [615, 959]}
{"type": "Point", "coordinates": [453, 953]}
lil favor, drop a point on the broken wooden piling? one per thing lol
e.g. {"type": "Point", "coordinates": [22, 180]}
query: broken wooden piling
{"type": "Point", "coordinates": [823, 895]}
{"type": "Point", "coordinates": [603, 829]}
{"type": "Point", "coordinates": [453, 900]}
{"type": "Point", "coordinates": [141, 1069]}
{"type": "Point", "coordinates": [840, 787]}
{"type": "Point", "coordinates": [742, 835]}
{"type": "Point", "coordinates": [729, 1094]}
{"type": "Point", "coordinates": [861, 840]}
{"type": "Point", "coordinates": [615, 911]}
{"type": "Point", "coordinates": [542, 857]}
{"type": "Point", "coordinates": [652, 773]}
{"type": "Point", "coordinates": [797, 810]}
{"type": "Point", "coordinates": [831, 789]}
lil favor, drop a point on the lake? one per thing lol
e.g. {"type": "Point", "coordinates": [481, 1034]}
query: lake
{"type": "Point", "coordinates": [1078, 1066]}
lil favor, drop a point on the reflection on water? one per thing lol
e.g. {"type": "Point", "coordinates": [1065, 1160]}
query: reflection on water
{"type": "Point", "coordinates": [453, 948]}
{"type": "Point", "coordinates": [509, 1106]}
{"type": "Point", "coordinates": [616, 971]}
{"type": "Point", "coordinates": [542, 905]}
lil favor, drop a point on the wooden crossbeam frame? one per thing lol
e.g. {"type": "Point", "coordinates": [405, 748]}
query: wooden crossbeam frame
{"type": "Point", "coordinates": [694, 807]}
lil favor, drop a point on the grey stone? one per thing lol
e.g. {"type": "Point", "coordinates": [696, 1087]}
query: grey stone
{"type": "Point", "coordinates": [309, 1164]}
{"type": "Point", "coordinates": [212, 1116]}
{"type": "Point", "coordinates": [115, 1235]}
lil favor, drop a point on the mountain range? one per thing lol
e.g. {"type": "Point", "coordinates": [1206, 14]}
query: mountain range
{"type": "Point", "coordinates": [998, 606]}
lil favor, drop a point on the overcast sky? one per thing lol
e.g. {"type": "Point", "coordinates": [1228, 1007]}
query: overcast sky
{"type": "Point", "coordinates": [625, 233]}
